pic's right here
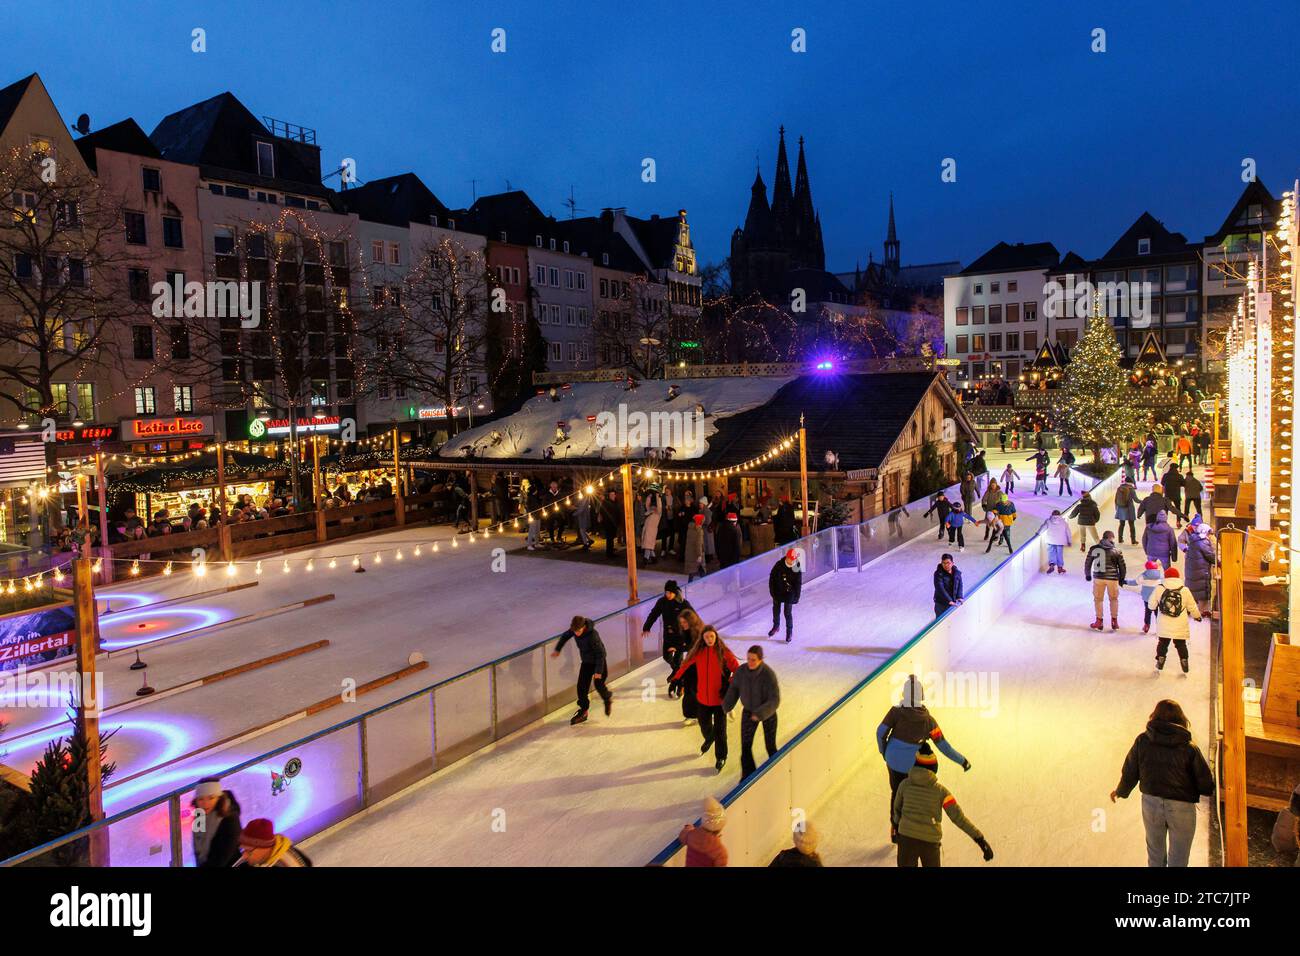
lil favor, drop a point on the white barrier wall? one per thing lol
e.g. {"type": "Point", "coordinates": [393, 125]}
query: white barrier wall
{"type": "Point", "coordinates": [805, 770]}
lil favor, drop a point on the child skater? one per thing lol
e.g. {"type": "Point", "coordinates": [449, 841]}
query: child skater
{"type": "Point", "coordinates": [1152, 574]}
{"type": "Point", "coordinates": [1009, 476]}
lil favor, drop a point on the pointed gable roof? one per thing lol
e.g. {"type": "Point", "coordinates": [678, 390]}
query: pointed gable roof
{"type": "Point", "coordinates": [758, 218]}
{"type": "Point", "coordinates": [1164, 242]}
{"type": "Point", "coordinates": [1005, 257]}
{"type": "Point", "coordinates": [1239, 219]}
{"type": "Point", "coordinates": [395, 201]}
{"type": "Point", "coordinates": [513, 213]}
{"type": "Point", "coordinates": [11, 96]}
{"type": "Point", "coordinates": [122, 137]}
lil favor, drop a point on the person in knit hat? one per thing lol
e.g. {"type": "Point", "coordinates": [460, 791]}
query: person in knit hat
{"type": "Point", "coordinates": [675, 639]}
{"type": "Point", "coordinates": [1151, 575]}
{"type": "Point", "coordinates": [728, 540]}
{"type": "Point", "coordinates": [704, 843]}
{"type": "Point", "coordinates": [694, 548]}
{"type": "Point", "coordinates": [906, 730]}
{"type": "Point", "coordinates": [216, 825]}
{"type": "Point", "coordinates": [804, 851]}
{"type": "Point", "coordinates": [916, 816]}
{"type": "Point", "coordinates": [784, 584]}
{"type": "Point", "coordinates": [262, 846]}
{"type": "Point", "coordinates": [1173, 603]}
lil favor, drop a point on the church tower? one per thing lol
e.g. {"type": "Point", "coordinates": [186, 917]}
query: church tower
{"type": "Point", "coordinates": [891, 241]}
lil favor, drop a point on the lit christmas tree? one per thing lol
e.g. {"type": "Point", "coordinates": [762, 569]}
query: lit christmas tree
{"type": "Point", "coordinates": [1094, 408]}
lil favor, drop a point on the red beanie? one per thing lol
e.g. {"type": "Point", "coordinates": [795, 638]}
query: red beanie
{"type": "Point", "coordinates": [259, 833]}
{"type": "Point", "coordinates": [791, 555]}
{"type": "Point", "coordinates": [731, 516]}
{"type": "Point", "coordinates": [699, 519]}
{"type": "Point", "coordinates": [1171, 572]}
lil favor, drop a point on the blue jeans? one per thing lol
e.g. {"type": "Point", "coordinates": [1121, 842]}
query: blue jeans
{"type": "Point", "coordinates": [1056, 555]}
{"type": "Point", "coordinates": [1170, 826]}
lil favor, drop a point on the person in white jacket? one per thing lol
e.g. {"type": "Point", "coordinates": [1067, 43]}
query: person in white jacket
{"type": "Point", "coordinates": [1056, 532]}
{"type": "Point", "coordinates": [1173, 603]}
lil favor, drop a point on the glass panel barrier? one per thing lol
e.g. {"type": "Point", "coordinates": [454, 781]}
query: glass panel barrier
{"type": "Point", "coordinates": [462, 715]}
{"type": "Point", "coordinates": [519, 688]}
{"type": "Point", "coordinates": [399, 747]}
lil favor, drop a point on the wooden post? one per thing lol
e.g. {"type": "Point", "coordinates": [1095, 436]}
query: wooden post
{"type": "Point", "coordinates": [399, 504]}
{"type": "Point", "coordinates": [102, 492]}
{"type": "Point", "coordinates": [629, 531]}
{"type": "Point", "coordinates": [803, 472]}
{"type": "Point", "coordinates": [88, 698]}
{"type": "Point", "coordinates": [318, 489]}
{"type": "Point", "coordinates": [223, 527]}
{"type": "Point", "coordinates": [1233, 772]}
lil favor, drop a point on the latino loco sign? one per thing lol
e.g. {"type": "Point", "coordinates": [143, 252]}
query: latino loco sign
{"type": "Point", "coordinates": [154, 428]}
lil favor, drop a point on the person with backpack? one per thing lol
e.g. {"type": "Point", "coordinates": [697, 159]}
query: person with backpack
{"type": "Point", "coordinates": [940, 503]}
{"type": "Point", "coordinates": [1056, 532]}
{"type": "Point", "coordinates": [263, 847]}
{"type": "Point", "coordinates": [958, 517]}
{"type": "Point", "coordinates": [1151, 576]}
{"type": "Point", "coordinates": [784, 585]}
{"type": "Point", "coordinates": [904, 729]}
{"type": "Point", "coordinates": [713, 664]}
{"type": "Point", "coordinates": [1173, 604]}
{"type": "Point", "coordinates": [916, 815]}
{"type": "Point", "coordinates": [1104, 567]}
{"type": "Point", "coordinates": [1160, 542]}
{"type": "Point", "coordinates": [947, 585]}
{"type": "Point", "coordinates": [1086, 510]}
{"type": "Point", "coordinates": [592, 664]}
{"type": "Point", "coordinates": [1172, 775]}
{"type": "Point", "coordinates": [675, 641]}
{"type": "Point", "coordinates": [1126, 509]}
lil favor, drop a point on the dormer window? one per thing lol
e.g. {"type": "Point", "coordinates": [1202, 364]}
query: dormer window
{"type": "Point", "coordinates": [265, 159]}
{"type": "Point", "coordinates": [538, 240]}
{"type": "Point", "coordinates": [604, 258]}
{"type": "Point", "coordinates": [552, 245]}
{"type": "Point", "coordinates": [1144, 247]}
{"type": "Point", "coordinates": [979, 288]}
{"type": "Point", "coordinates": [566, 245]}
{"type": "Point", "coordinates": [451, 224]}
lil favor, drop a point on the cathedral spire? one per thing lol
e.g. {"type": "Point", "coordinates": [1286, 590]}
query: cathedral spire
{"type": "Point", "coordinates": [781, 191]}
{"type": "Point", "coordinates": [802, 191]}
{"type": "Point", "coordinates": [891, 240]}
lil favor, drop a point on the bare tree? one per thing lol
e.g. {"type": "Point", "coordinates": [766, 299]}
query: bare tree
{"type": "Point", "coordinates": [430, 334]}
{"type": "Point", "coordinates": [637, 332]}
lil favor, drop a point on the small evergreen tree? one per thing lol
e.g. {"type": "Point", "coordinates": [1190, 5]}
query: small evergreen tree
{"type": "Point", "coordinates": [59, 799]}
{"type": "Point", "coordinates": [1094, 408]}
{"type": "Point", "coordinates": [927, 473]}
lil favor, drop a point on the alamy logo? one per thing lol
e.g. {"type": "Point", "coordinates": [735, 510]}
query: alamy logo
{"type": "Point", "coordinates": [74, 908]}
{"type": "Point", "coordinates": [972, 690]}
{"type": "Point", "coordinates": [662, 430]}
{"type": "Point", "coordinates": [57, 688]}
{"type": "Point", "coordinates": [212, 300]}
{"type": "Point", "coordinates": [1118, 300]}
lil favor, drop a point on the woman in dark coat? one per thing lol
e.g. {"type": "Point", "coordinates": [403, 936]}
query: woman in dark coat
{"type": "Point", "coordinates": [216, 825]}
{"type": "Point", "coordinates": [1200, 561]}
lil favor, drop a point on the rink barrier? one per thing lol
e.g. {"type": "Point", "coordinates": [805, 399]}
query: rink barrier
{"type": "Point", "coordinates": [805, 771]}
{"type": "Point", "coordinates": [433, 727]}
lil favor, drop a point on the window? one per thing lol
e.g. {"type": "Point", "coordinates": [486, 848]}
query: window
{"type": "Point", "coordinates": [1012, 285]}
{"type": "Point", "coordinates": [976, 369]}
{"type": "Point", "coordinates": [963, 343]}
{"type": "Point", "coordinates": [338, 253]}
{"type": "Point", "coordinates": [24, 206]}
{"type": "Point", "coordinates": [183, 398]}
{"type": "Point", "coordinates": [1031, 341]}
{"type": "Point", "coordinates": [541, 275]}
{"type": "Point", "coordinates": [22, 265]}
{"type": "Point", "coordinates": [995, 287]}
{"type": "Point", "coordinates": [67, 213]}
{"type": "Point", "coordinates": [553, 276]}
{"type": "Point", "coordinates": [995, 315]}
{"type": "Point", "coordinates": [1144, 247]}
{"type": "Point", "coordinates": [995, 343]}
{"type": "Point", "coordinates": [583, 318]}
{"type": "Point", "coordinates": [570, 315]}
{"type": "Point", "coordinates": [255, 246]}
{"type": "Point", "coordinates": [238, 192]}
{"type": "Point", "coordinates": [979, 288]}
{"type": "Point", "coordinates": [152, 179]}
{"type": "Point", "coordinates": [142, 342]}
{"type": "Point", "coordinates": [76, 272]}
{"type": "Point", "coordinates": [604, 258]}
{"type": "Point", "coordinates": [144, 401]}
{"type": "Point", "coordinates": [977, 315]}
{"type": "Point", "coordinates": [274, 199]}
{"type": "Point", "coordinates": [377, 250]}
{"type": "Point", "coordinates": [265, 159]}
{"type": "Point", "coordinates": [137, 284]}
{"type": "Point", "coordinates": [538, 241]}
{"type": "Point", "coordinates": [394, 253]}
{"type": "Point", "coordinates": [503, 232]}
{"type": "Point", "coordinates": [135, 230]}
{"type": "Point", "coordinates": [977, 343]}
{"type": "Point", "coordinates": [1067, 337]}
{"type": "Point", "coordinates": [1031, 312]}
{"type": "Point", "coordinates": [552, 245]}
{"type": "Point", "coordinates": [86, 401]}
{"type": "Point", "coordinates": [963, 316]}
{"type": "Point", "coordinates": [604, 288]}
{"type": "Point", "coordinates": [556, 353]}
{"type": "Point", "coordinates": [223, 241]}
{"type": "Point", "coordinates": [582, 282]}
{"type": "Point", "coordinates": [572, 350]}
{"type": "Point", "coordinates": [583, 354]}
{"type": "Point", "coordinates": [1013, 311]}
{"type": "Point", "coordinates": [172, 237]}
{"type": "Point", "coordinates": [566, 245]}
{"type": "Point", "coordinates": [180, 340]}
{"type": "Point", "coordinates": [1013, 341]}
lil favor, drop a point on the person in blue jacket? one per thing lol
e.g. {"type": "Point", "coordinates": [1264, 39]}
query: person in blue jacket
{"type": "Point", "coordinates": [901, 733]}
{"type": "Point", "coordinates": [947, 585]}
{"type": "Point", "coordinates": [957, 517]}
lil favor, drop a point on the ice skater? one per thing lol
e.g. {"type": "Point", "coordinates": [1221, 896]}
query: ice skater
{"type": "Point", "coordinates": [917, 805]}
{"type": "Point", "coordinates": [1056, 532]}
{"type": "Point", "coordinates": [947, 585]}
{"type": "Point", "coordinates": [1173, 603]}
{"type": "Point", "coordinates": [939, 503]}
{"type": "Point", "coordinates": [1151, 576]}
{"type": "Point", "coordinates": [1040, 459]}
{"type": "Point", "coordinates": [785, 584]}
{"type": "Point", "coordinates": [675, 640]}
{"type": "Point", "coordinates": [905, 727]}
{"type": "Point", "coordinates": [957, 517]}
{"type": "Point", "coordinates": [755, 686]}
{"type": "Point", "coordinates": [1086, 510]}
{"type": "Point", "coordinates": [1104, 566]}
{"type": "Point", "coordinates": [1126, 509]}
{"type": "Point", "coordinates": [1063, 479]}
{"type": "Point", "coordinates": [989, 502]}
{"type": "Point", "coordinates": [694, 549]}
{"type": "Point", "coordinates": [713, 664]}
{"type": "Point", "coordinates": [1006, 517]}
{"type": "Point", "coordinates": [593, 667]}
{"type": "Point", "coordinates": [1009, 478]}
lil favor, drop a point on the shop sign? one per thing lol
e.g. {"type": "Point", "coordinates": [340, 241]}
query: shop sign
{"type": "Point", "coordinates": [272, 427]}
{"type": "Point", "coordinates": [136, 429]}
{"type": "Point", "coordinates": [36, 637]}
{"type": "Point", "coordinates": [862, 474]}
{"type": "Point", "coordinates": [85, 433]}
{"type": "Point", "coordinates": [440, 411]}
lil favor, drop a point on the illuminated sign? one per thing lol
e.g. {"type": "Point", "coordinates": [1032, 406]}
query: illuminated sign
{"type": "Point", "coordinates": [86, 433]}
{"type": "Point", "coordinates": [689, 345]}
{"type": "Point", "coordinates": [948, 361]}
{"type": "Point", "coordinates": [440, 411]}
{"type": "Point", "coordinates": [259, 428]}
{"type": "Point", "coordinates": [155, 428]}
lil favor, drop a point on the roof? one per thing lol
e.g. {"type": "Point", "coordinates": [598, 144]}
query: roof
{"type": "Point", "coordinates": [218, 135]}
{"type": "Point", "coordinates": [1005, 257]}
{"type": "Point", "coordinates": [1239, 219]}
{"type": "Point", "coordinates": [923, 275]}
{"type": "Point", "coordinates": [123, 137]}
{"type": "Point", "coordinates": [395, 201]}
{"type": "Point", "coordinates": [513, 213]}
{"type": "Point", "coordinates": [859, 417]}
{"type": "Point", "coordinates": [658, 237]}
{"type": "Point", "coordinates": [11, 96]}
{"type": "Point", "coordinates": [594, 236]}
{"type": "Point", "coordinates": [1164, 243]}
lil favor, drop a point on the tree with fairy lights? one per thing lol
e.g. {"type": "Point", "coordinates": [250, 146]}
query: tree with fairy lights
{"type": "Point", "coordinates": [1094, 407]}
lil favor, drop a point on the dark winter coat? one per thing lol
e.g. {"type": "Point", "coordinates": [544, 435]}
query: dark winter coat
{"type": "Point", "coordinates": [941, 504]}
{"type": "Point", "coordinates": [795, 857]}
{"type": "Point", "coordinates": [947, 585]}
{"type": "Point", "coordinates": [784, 583]}
{"type": "Point", "coordinates": [1152, 505]}
{"type": "Point", "coordinates": [1160, 542]}
{"type": "Point", "coordinates": [967, 490]}
{"type": "Point", "coordinates": [1163, 762]}
{"type": "Point", "coordinates": [1200, 560]}
{"type": "Point", "coordinates": [756, 689]}
{"type": "Point", "coordinates": [611, 514]}
{"type": "Point", "coordinates": [1086, 511]}
{"type": "Point", "coordinates": [1124, 502]}
{"type": "Point", "coordinates": [670, 611]}
{"type": "Point", "coordinates": [1104, 563]}
{"type": "Point", "coordinates": [727, 543]}
{"type": "Point", "coordinates": [1172, 482]}
{"type": "Point", "coordinates": [1192, 487]}
{"type": "Point", "coordinates": [218, 845]}
{"type": "Point", "coordinates": [591, 649]}
{"type": "Point", "coordinates": [784, 524]}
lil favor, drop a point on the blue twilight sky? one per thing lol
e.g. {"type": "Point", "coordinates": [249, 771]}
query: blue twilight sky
{"type": "Point", "coordinates": [1052, 141]}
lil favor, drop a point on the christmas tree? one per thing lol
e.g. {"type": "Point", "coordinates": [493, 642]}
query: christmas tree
{"type": "Point", "coordinates": [1094, 407]}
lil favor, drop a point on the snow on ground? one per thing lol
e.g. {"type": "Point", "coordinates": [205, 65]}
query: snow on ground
{"type": "Point", "coordinates": [527, 432]}
{"type": "Point", "coordinates": [615, 790]}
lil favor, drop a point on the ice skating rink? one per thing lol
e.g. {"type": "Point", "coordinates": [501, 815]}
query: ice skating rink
{"type": "Point", "coordinates": [615, 790]}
